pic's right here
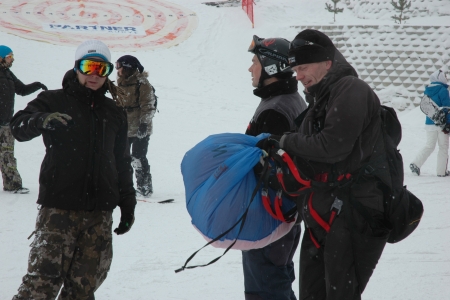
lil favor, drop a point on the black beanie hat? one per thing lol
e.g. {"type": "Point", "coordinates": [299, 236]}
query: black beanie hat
{"type": "Point", "coordinates": [310, 46]}
{"type": "Point", "coordinates": [131, 62]}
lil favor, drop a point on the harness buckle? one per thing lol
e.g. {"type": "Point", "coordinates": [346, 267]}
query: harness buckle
{"type": "Point", "coordinates": [337, 204]}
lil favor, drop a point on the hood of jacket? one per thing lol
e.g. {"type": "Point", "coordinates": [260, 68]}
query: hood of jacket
{"type": "Point", "coordinates": [137, 76]}
{"type": "Point", "coordinates": [280, 87]}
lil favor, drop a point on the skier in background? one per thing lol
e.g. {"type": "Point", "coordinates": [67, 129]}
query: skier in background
{"type": "Point", "coordinates": [139, 102]}
{"type": "Point", "coordinates": [10, 85]}
{"type": "Point", "coordinates": [437, 90]}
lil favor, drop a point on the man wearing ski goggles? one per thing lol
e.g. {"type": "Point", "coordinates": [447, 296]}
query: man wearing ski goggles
{"type": "Point", "coordinates": [92, 144]}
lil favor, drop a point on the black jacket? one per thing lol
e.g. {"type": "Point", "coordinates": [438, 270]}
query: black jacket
{"type": "Point", "coordinates": [339, 132]}
{"type": "Point", "coordinates": [87, 165]}
{"type": "Point", "coordinates": [10, 85]}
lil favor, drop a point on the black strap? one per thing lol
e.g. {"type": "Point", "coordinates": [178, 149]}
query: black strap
{"type": "Point", "coordinates": [242, 218]}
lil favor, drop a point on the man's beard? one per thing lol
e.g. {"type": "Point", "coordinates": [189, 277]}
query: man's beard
{"type": "Point", "coordinates": [5, 65]}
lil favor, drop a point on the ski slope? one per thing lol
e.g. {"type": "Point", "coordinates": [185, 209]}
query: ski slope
{"type": "Point", "coordinates": [204, 87]}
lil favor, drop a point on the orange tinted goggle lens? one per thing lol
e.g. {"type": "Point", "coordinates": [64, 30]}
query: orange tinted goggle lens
{"type": "Point", "coordinates": [252, 46]}
{"type": "Point", "coordinates": [91, 67]}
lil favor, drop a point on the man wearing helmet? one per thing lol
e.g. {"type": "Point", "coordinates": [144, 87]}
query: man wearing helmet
{"type": "Point", "coordinates": [269, 271]}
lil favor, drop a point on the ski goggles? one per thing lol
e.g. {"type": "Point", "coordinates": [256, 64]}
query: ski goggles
{"type": "Point", "coordinates": [122, 64]}
{"type": "Point", "coordinates": [256, 42]}
{"type": "Point", "coordinates": [9, 55]}
{"type": "Point", "coordinates": [258, 46]}
{"type": "Point", "coordinates": [91, 67]}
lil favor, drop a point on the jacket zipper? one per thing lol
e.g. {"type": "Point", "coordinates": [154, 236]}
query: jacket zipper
{"type": "Point", "coordinates": [104, 134]}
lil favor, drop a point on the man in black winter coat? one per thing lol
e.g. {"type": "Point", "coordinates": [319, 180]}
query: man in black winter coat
{"type": "Point", "coordinates": [269, 271]}
{"type": "Point", "coordinates": [9, 86]}
{"type": "Point", "coordinates": [85, 174]}
{"type": "Point", "coordinates": [336, 138]}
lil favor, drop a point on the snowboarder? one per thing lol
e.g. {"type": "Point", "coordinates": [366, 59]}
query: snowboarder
{"type": "Point", "coordinates": [10, 85]}
{"type": "Point", "coordinates": [269, 271]}
{"type": "Point", "coordinates": [437, 90]}
{"type": "Point", "coordinates": [336, 137]}
{"type": "Point", "coordinates": [139, 103]}
{"type": "Point", "coordinates": [85, 174]}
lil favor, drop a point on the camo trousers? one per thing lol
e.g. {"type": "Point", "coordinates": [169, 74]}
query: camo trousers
{"type": "Point", "coordinates": [8, 163]}
{"type": "Point", "coordinates": [72, 250]}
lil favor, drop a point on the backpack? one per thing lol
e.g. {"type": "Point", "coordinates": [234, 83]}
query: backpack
{"type": "Point", "coordinates": [156, 97]}
{"type": "Point", "coordinates": [403, 210]}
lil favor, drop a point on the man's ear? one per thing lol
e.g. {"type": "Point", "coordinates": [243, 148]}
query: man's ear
{"type": "Point", "coordinates": [328, 64]}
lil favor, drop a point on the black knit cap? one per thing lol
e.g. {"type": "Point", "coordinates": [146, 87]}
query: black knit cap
{"type": "Point", "coordinates": [310, 46]}
{"type": "Point", "coordinates": [131, 62]}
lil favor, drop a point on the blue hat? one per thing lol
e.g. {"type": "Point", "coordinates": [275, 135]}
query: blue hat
{"type": "Point", "coordinates": [4, 50]}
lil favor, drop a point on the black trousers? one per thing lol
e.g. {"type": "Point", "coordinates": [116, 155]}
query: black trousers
{"type": "Point", "coordinates": [139, 148]}
{"type": "Point", "coordinates": [342, 266]}
{"type": "Point", "coordinates": [269, 271]}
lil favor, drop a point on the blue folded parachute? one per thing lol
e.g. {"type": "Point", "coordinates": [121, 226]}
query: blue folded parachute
{"type": "Point", "coordinates": [219, 182]}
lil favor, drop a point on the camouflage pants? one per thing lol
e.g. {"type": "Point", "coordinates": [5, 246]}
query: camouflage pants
{"type": "Point", "coordinates": [8, 165]}
{"type": "Point", "coordinates": [72, 249]}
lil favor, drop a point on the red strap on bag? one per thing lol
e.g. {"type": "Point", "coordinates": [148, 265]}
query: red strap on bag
{"type": "Point", "coordinates": [278, 214]}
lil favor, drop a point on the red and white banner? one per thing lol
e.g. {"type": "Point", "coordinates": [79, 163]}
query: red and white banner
{"type": "Point", "coordinates": [247, 6]}
{"type": "Point", "coordinates": [124, 25]}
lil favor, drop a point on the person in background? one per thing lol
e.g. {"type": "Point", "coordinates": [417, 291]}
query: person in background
{"type": "Point", "coordinates": [269, 271]}
{"type": "Point", "coordinates": [9, 86]}
{"type": "Point", "coordinates": [86, 173]}
{"type": "Point", "coordinates": [437, 90]}
{"type": "Point", "coordinates": [139, 102]}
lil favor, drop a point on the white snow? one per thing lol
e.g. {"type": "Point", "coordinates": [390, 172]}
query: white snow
{"type": "Point", "coordinates": [204, 88]}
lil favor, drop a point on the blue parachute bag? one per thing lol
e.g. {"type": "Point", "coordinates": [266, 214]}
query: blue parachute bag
{"type": "Point", "coordinates": [219, 181]}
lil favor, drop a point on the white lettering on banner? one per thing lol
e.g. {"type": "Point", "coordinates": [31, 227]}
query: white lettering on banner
{"type": "Point", "coordinates": [134, 30]}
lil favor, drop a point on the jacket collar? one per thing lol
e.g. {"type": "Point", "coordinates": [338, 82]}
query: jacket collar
{"type": "Point", "coordinates": [340, 68]}
{"type": "Point", "coordinates": [72, 86]}
{"type": "Point", "coordinates": [280, 87]}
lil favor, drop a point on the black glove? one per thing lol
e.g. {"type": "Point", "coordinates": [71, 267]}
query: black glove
{"type": "Point", "coordinates": [126, 221]}
{"type": "Point", "coordinates": [446, 129]}
{"type": "Point", "coordinates": [42, 86]}
{"type": "Point", "coordinates": [55, 120]}
{"type": "Point", "coordinates": [273, 141]}
{"type": "Point", "coordinates": [142, 131]}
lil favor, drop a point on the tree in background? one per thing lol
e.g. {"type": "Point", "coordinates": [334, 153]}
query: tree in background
{"type": "Point", "coordinates": [334, 10]}
{"type": "Point", "coordinates": [401, 6]}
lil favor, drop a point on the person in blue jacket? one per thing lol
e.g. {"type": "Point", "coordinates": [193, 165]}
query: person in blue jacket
{"type": "Point", "coordinates": [437, 90]}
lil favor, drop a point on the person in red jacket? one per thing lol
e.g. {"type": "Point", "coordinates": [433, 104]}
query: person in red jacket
{"type": "Point", "coordinates": [86, 173]}
{"type": "Point", "coordinates": [9, 86]}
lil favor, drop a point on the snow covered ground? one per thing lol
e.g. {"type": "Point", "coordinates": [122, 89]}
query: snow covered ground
{"type": "Point", "coordinates": [204, 88]}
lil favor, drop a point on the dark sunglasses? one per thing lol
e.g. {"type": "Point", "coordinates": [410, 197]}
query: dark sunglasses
{"type": "Point", "coordinates": [91, 67]}
{"type": "Point", "coordinates": [298, 43]}
{"type": "Point", "coordinates": [121, 65]}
